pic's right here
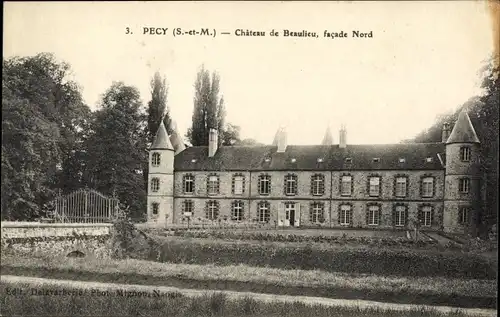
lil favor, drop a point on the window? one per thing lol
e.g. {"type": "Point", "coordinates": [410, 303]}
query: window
{"type": "Point", "coordinates": [155, 208]}
{"type": "Point", "coordinates": [463, 185]}
{"type": "Point", "coordinates": [291, 184]}
{"type": "Point", "coordinates": [402, 160]}
{"type": "Point", "coordinates": [346, 186]}
{"type": "Point", "coordinates": [425, 216]}
{"type": "Point", "coordinates": [155, 159]}
{"type": "Point", "coordinates": [345, 215]}
{"type": "Point", "coordinates": [316, 214]}
{"type": "Point", "coordinates": [263, 212]}
{"type": "Point", "coordinates": [264, 184]}
{"type": "Point", "coordinates": [376, 160]}
{"type": "Point", "coordinates": [373, 216]}
{"type": "Point", "coordinates": [188, 184]}
{"type": "Point", "coordinates": [428, 187]}
{"type": "Point", "coordinates": [317, 184]}
{"type": "Point", "coordinates": [401, 186]}
{"type": "Point", "coordinates": [187, 206]}
{"type": "Point", "coordinates": [374, 189]}
{"type": "Point", "coordinates": [238, 184]}
{"type": "Point", "coordinates": [465, 154]}
{"type": "Point", "coordinates": [428, 159]}
{"type": "Point", "coordinates": [463, 215]}
{"type": "Point", "coordinates": [155, 184]}
{"type": "Point", "coordinates": [237, 210]}
{"type": "Point", "coordinates": [400, 216]}
{"type": "Point", "coordinates": [212, 210]}
{"type": "Point", "coordinates": [348, 160]}
{"type": "Point", "coordinates": [213, 185]}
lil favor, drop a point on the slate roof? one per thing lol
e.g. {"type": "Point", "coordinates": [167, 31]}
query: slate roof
{"type": "Point", "coordinates": [463, 131]}
{"type": "Point", "coordinates": [266, 158]}
{"type": "Point", "coordinates": [161, 140]}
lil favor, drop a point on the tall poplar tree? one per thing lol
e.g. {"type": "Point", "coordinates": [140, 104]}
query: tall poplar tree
{"type": "Point", "coordinates": [208, 109]}
{"type": "Point", "coordinates": [157, 107]}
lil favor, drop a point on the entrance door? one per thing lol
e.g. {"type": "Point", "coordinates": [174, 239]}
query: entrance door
{"type": "Point", "coordinates": [290, 214]}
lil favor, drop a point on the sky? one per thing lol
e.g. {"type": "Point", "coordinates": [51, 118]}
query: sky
{"type": "Point", "coordinates": [422, 60]}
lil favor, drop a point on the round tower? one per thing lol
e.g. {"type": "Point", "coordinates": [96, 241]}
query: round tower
{"type": "Point", "coordinates": [462, 178]}
{"type": "Point", "coordinates": [161, 180]}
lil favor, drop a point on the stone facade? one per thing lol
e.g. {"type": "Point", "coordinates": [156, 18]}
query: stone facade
{"type": "Point", "coordinates": [433, 196]}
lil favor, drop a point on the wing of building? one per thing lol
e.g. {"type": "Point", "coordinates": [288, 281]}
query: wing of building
{"type": "Point", "coordinates": [431, 185]}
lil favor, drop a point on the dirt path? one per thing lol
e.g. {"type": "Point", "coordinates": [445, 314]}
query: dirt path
{"type": "Point", "coordinates": [10, 279]}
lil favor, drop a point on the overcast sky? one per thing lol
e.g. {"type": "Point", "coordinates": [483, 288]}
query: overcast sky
{"type": "Point", "coordinates": [423, 59]}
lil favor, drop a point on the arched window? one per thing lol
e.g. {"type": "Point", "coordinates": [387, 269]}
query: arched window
{"type": "Point", "coordinates": [155, 184]}
{"type": "Point", "coordinates": [155, 159]}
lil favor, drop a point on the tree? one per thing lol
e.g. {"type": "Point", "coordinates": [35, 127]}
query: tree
{"type": "Point", "coordinates": [208, 112]}
{"type": "Point", "coordinates": [157, 107]}
{"type": "Point", "coordinates": [118, 146]}
{"type": "Point", "coordinates": [231, 135]}
{"type": "Point", "coordinates": [40, 101]}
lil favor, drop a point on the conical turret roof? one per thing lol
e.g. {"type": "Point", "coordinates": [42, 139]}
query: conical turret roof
{"type": "Point", "coordinates": [463, 131]}
{"type": "Point", "coordinates": [161, 140]}
{"type": "Point", "coordinates": [176, 140]}
{"type": "Point", "coordinates": [327, 139]}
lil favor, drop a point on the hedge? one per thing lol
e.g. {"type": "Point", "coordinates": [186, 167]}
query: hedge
{"type": "Point", "coordinates": [350, 260]}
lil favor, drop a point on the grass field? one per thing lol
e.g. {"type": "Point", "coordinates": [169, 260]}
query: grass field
{"type": "Point", "coordinates": [176, 305]}
{"type": "Point", "coordinates": [424, 290]}
{"type": "Point", "coordinates": [328, 257]}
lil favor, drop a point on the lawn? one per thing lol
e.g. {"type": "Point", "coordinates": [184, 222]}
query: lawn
{"type": "Point", "coordinates": [370, 258]}
{"type": "Point", "coordinates": [177, 305]}
{"type": "Point", "coordinates": [415, 290]}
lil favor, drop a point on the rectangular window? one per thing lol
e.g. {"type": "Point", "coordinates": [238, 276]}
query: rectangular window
{"type": "Point", "coordinates": [374, 186]}
{"type": "Point", "coordinates": [264, 184]}
{"type": "Point", "coordinates": [291, 185]}
{"type": "Point", "coordinates": [238, 185]}
{"type": "Point", "coordinates": [213, 185]}
{"type": "Point", "coordinates": [401, 187]}
{"type": "Point", "coordinates": [155, 159]}
{"type": "Point", "coordinates": [212, 212]}
{"type": "Point", "coordinates": [317, 213]}
{"type": "Point", "coordinates": [346, 186]}
{"type": "Point", "coordinates": [187, 206]}
{"type": "Point", "coordinates": [155, 208]}
{"type": "Point", "coordinates": [373, 215]}
{"type": "Point", "coordinates": [188, 184]}
{"type": "Point", "coordinates": [465, 154]}
{"type": "Point", "coordinates": [237, 212]}
{"type": "Point", "coordinates": [317, 185]}
{"type": "Point", "coordinates": [463, 185]}
{"type": "Point", "coordinates": [426, 219]}
{"type": "Point", "coordinates": [428, 187]}
{"type": "Point", "coordinates": [155, 184]}
{"type": "Point", "coordinates": [263, 213]}
{"type": "Point", "coordinates": [463, 215]}
{"type": "Point", "coordinates": [400, 216]}
{"type": "Point", "coordinates": [345, 215]}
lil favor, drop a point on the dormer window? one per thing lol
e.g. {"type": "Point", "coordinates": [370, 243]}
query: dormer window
{"type": "Point", "coordinates": [267, 159]}
{"type": "Point", "coordinates": [402, 160]}
{"type": "Point", "coordinates": [376, 160]}
{"type": "Point", "coordinates": [320, 160]}
{"type": "Point", "coordinates": [193, 161]}
{"type": "Point", "coordinates": [428, 159]}
{"type": "Point", "coordinates": [348, 160]}
{"type": "Point", "coordinates": [293, 160]}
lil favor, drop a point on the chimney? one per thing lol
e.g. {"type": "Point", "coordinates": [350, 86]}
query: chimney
{"type": "Point", "coordinates": [446, 132]}
{"type": "Point", "coordinates": [342, 137]}
{"type": "Point", "coordinates": [212, 142]}
{"type": "Point", "coordinates": [282, 140]}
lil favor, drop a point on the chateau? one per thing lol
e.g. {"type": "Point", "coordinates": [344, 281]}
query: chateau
{"type": "Point", "coordinates": [327, 185]}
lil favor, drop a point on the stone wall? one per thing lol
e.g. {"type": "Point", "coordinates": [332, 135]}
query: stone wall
{"type": "Point", "coordinates": [56, 239]}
